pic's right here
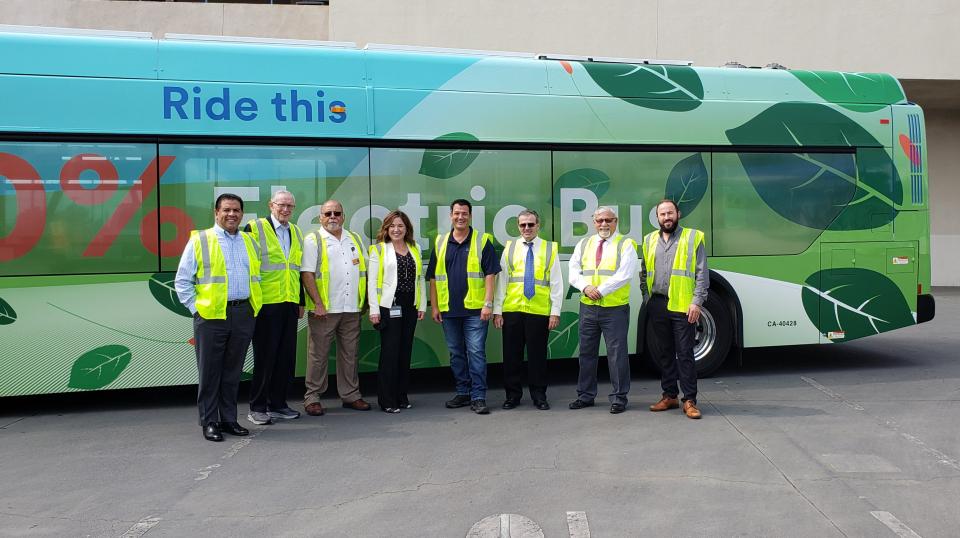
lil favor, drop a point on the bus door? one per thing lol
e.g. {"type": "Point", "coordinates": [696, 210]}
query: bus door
{"type": "Point", "coordinates": [864, 288]}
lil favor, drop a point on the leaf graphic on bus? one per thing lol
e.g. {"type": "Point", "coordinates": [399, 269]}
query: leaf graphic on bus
{"type": "Point", "coordinates": [161, 286]}
{"type": "Point", "coordinates": [595, 181]}
{"type": "Point", "coordinates": [565, 338]}
{"type": "Point", "coordinates": [660, 87]}
{"type": "Point", "coordinates": [7, 314]}
{"type": "Point", "coordinates": [423, 355]}
{"type": "Point", "coordinates": [819, 189]}
{"type": "Point", "coordinates": [850, 303]}
{"type": "Point", "coordinates": [99, 367]}
{"type": "Point", "coordinates": [447, 163]}
{"type": "Point", "coordinates": [867, 92]}
{"type": "Point", "coordinates": [368, 352]}
{"type": "Point", "coordinates": [687, 183]}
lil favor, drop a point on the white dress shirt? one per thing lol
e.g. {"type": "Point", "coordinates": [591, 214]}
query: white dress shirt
{"type": "Point", "coordinates": [390, 279]}
{"type": "Point", "coordinates": [344, 259]}
{"type": "Point", "coordinates": [556, 278]}
{"type": "Point", "coordinates": [621, 277]}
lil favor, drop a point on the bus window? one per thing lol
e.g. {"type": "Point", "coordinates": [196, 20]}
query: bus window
{"type": "Point", "coordinates": [76, 208]}
{"type": "Point", "coordinates": [199, 173]}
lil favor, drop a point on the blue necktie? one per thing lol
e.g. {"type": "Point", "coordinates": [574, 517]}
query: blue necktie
{"type": "Point", "coordinates": [528, 290]}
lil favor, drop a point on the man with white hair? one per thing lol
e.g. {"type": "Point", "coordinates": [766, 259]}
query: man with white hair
{"type": "Point", "coordinates": [275, 335]}
{"type": "Point", "coordinates": [601, 268]}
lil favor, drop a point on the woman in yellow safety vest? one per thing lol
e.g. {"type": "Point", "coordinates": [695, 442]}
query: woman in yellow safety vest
{"type": "Point", "coordinates": [396, 293]}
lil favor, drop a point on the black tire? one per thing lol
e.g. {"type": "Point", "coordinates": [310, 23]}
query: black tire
{"type": "Point", "coordinates": [716, 325]}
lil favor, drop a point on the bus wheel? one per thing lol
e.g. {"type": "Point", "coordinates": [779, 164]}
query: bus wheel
{"type": "Point", "coordinates": [714, 337]}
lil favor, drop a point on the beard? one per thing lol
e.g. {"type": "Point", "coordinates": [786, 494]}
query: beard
{"type": "Point", "coordinates": [668, 227]}
{"type": "Point", "coordinates": [332, 226]}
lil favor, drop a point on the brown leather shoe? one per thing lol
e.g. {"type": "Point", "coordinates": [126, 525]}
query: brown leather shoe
{"type": "Point", "coordinates": [314, 409]}
{"type": "Point", "coordinates": [357, 405]}
{"type": "Point", "coordinates": [690, 409]}
{"type": "Point", "coordinates": [665, 403]}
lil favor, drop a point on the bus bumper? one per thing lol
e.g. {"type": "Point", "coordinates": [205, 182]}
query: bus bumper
{"type": "Point", "coordinates": [926, 308]}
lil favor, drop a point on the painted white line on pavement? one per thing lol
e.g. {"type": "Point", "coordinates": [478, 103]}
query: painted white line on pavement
{"type": "Point", "coordinates": [505, 526]}
{"type": "Point", "coordinates": [577, 525]}
{"type": "Point", "coordinates": [895, 525]}
{"type": "Point", "coordinates": [942, 458]}
{"type": "Point", "coordinates": [141, 527]}
{"type": "Point", "coordinates": [242, 443]}
{"type": "Point", "coordinates": [831, 394]}
{"type": "Point", "coordinates": [203, 474]}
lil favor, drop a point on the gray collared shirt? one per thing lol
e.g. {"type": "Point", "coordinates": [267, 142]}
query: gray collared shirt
{"type": "Point", "coordinates": [666, 252]}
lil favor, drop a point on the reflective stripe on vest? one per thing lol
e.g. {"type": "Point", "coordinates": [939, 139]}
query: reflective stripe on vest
{"type": "Point", "coordinates": [476, 285]}
{"type": "Point", "coordinates": [380, 249]}
{"type": "Point", "coordinates": [281, 274]}
{"type": "Point", "coordinates": [683, 272]}
{"type": "Point", "coordinates": [599, 275]}
{"type": "Point", "coordinates": [322, 271]}
{"type": "Point", "coordinates": [515, 300]}
{"type": "Point", "coordinates": [210, 281]}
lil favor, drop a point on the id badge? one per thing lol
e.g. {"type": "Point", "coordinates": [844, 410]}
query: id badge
{"type": "Point", "coordinates": [396, 312]}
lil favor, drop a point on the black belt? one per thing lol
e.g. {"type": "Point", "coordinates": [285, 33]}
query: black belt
{"type": "Point", "coordinates": [238, 302]}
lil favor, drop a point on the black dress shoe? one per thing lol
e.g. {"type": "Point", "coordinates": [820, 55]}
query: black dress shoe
{"type": "Point", "coordinates": [617, 408]}
{"type": "Point", "coordinates": [580, 404]}
{"type": "Point", "coordinates": [234, 429]}
{"type": "Point", "coordinates": [460, 400]}
{"type": "Point", "coordinates": [510, 403]}
{"type": "Point", "coordinates": [541, 405]}
{"type": "Point", "coordinates": [211, 432]}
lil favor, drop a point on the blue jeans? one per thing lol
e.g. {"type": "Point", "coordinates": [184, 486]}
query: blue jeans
{"type": "Point", "coordinates": [466, 339]}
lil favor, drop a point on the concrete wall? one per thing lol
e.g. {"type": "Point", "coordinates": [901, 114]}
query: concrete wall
{"type": "Point", "coordinates": [915, 41]}
{"type": "Point", "coordinates": [288, 21]}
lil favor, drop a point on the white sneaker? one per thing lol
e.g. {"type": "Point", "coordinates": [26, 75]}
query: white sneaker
{"type": "Point", "coordinates": [259, 418]}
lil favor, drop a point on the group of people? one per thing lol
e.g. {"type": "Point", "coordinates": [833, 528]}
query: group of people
{"type": "Point", "coordinates": [255, 284]}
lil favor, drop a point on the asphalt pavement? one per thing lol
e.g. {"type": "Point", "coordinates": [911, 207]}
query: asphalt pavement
{"type": "Point", "coordinates": [858, 439]}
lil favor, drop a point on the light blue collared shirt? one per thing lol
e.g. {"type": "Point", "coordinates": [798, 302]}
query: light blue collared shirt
{"type": "Point", "coordinates": [283, 234]}
{"type": "Point", "coordinates": [238, 269]}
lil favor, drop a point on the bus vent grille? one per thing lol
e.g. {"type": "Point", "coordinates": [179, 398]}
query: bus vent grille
{"type": "Point", "coordinates": [916, 159]}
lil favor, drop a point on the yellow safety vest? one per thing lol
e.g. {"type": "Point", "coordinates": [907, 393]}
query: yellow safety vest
{"type": "Point", "coordinates": [475, 278]}
{"type": "Point", "coordinates": [608, 266]}
{"type": "Point", "coordinates": [380, 249]}
{"type": "Point", "coordinates": [280, 274]}
{"type": "Point", "coordinates": [515, 300]}
{"type": "Point", "coordinates": [210, 281]}
{"type": "Point", "coordinates": [322, 272]}
{"type": "Point", "coordinates": [683, 275]}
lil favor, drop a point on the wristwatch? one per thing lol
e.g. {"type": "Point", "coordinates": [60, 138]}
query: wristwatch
{"type": "Point", "coordinates": [488, 305]}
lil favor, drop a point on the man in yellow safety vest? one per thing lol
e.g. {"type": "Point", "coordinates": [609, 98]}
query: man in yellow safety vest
{"type": "Point", "coordinates": [601, 267]}
{"type": "Point", "coordinates": [463, 266]}
{"type": "Point", "coordinates": [218, 280]}
{"type": "Point", "coordinates": [334, 274]}
{"type": "Point", "coordinates": [275, 336]}
{"type": "Point", "coordinates": [527, 307]}
{"type": "Point", "coordinates": [677, 281]}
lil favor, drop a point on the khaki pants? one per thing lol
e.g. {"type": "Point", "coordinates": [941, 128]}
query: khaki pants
{"type": "Point", "coordinates": [345, 327]}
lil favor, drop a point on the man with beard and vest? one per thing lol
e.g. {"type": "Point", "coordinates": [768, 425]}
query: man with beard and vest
{"type": "Point", "coordinates": [334, 274]}
{"type": "Point", "coordinates": [462, 270]}
{"type": "Point", "coordinates": [527, 307]}
{"type": "Point", "coordinates": [601, 267]}
{"type": "Point", "coordinates": [218, 280]}
{"type": "Point", "coordinates": [677, 281]}
{"type": "Point", "coordinates": [275, 336]}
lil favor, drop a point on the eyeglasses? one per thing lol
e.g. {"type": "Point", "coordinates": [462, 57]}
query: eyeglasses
{"type": "Point", "coordinates": [284, 206]}
{"type": "Point", "coordinates": [332, 213]}
{"type": "Point", "coordinates": [605, 220]}
{"type": "Point", "coordinates": [526, 224]}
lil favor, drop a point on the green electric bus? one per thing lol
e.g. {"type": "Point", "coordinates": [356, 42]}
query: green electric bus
{"type": "Point", "coordinates": [811, 186]}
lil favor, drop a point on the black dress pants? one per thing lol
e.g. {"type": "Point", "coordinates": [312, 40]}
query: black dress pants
{"type": "Point", "coordinates": [274, 356]}
{"type": "Point", "coordinates": [396, 347]}
{"type": "Point", "coordinates": [676, 338]}
{"type": "Point", "coordinates": [522, 330]}
{"type": "Point", "coordinates": [221, 346]}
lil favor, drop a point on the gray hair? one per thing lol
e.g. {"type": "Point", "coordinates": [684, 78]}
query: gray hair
{"type": "Point", "coordinates": [604, 209]}
{"type": "Point", "coordinates": [529, 212]}
{"type": "Point", "coordinates": [273, 197]}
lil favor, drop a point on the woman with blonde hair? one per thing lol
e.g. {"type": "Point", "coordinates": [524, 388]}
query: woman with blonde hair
{"type": "Point", "coordinates": [397, 298]}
